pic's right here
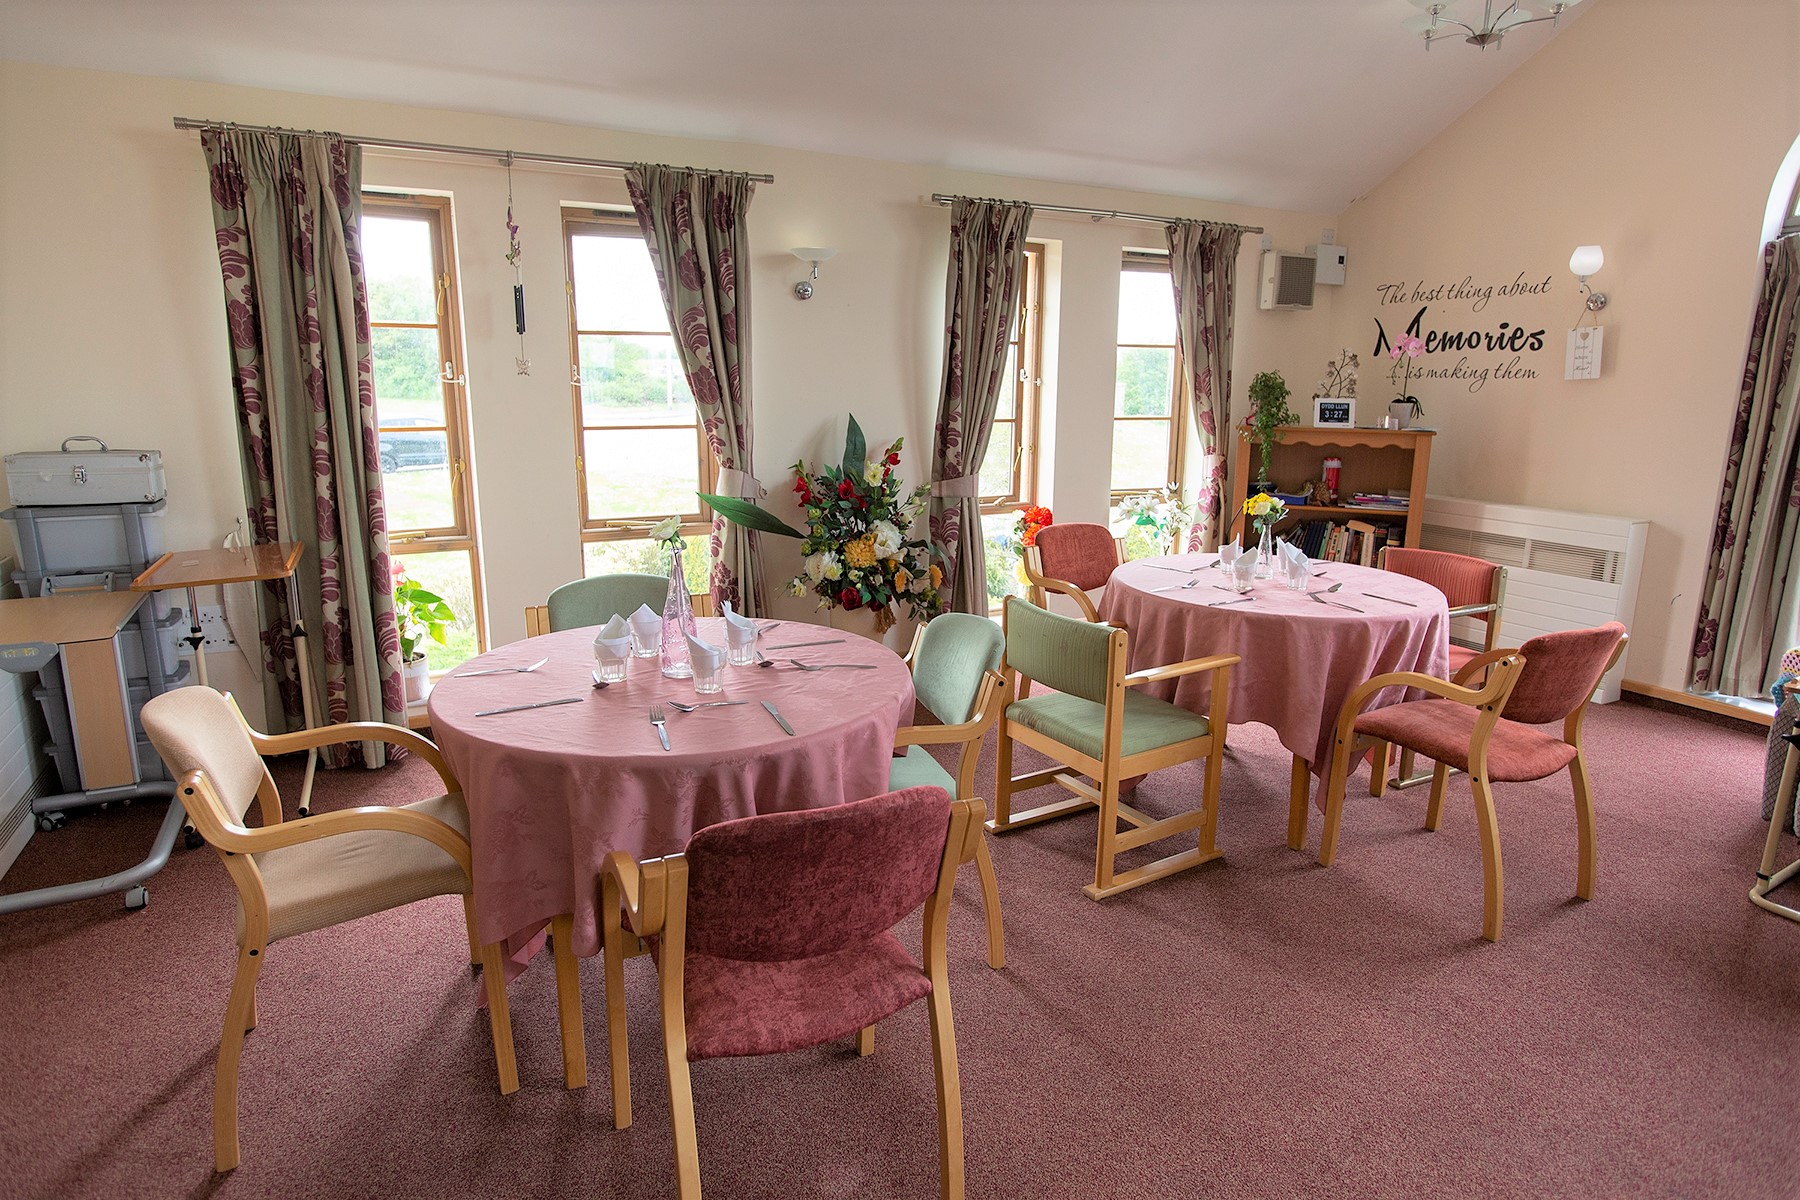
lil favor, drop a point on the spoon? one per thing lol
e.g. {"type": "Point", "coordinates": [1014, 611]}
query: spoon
{"type": "Point", "coordinates": [678, 706]}
{"type": "Point", "coordinates": [1326, 591]}
{"type": "Point", "coordinates": [599, 682]}
{"type": "Point", "coordinates": [1178, 587]}
{"type": "Point", "coordinates": [831, 666]}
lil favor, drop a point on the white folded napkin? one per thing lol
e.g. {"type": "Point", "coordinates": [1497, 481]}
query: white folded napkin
{"type": "Point", "coordinates": [739, 629]}
{"type": "Point", "coordinates": [1297, 565]}
{"type": "Point", "coordinates": [1247, 558]}
{"type": "Point", "coordinates": [614, 639]}
{"type": "Point", "coordinates": [703, 655]}
{"type": "Point", "coordinates": [647, 624]}
{"type": "Point", "coordinates": [1228, 553]}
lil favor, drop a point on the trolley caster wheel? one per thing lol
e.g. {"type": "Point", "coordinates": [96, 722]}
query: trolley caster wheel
{"type": "Point", "coordinates": [193, 840]}
{"type": "Point", "coordinates": [51, 821]}
{"type": "Point", "coordinates": [138, 897]}
{"type": "Point", "coordinates": [303, 812]}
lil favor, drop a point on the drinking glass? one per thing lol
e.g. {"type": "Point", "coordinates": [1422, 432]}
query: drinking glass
{"type": "Point", "coordinates": [740, 645]}
{"type": "Point", "coordinates": [708, 677]}
{"type": "Point", "coordinates": [1243, 574]}
{"type": "Point", "coordinates": [611, 663]}
{"type": "Point", "coordinates": [646, 642]}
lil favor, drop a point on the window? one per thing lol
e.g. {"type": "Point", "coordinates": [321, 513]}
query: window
{"type": "Point", "coordinates": [1146, 452]}
{"type": "Point", "coordinates": [640, 455]}
{"type": "Point", "coordinates": [421, 408]}
{"type": "Point", "coordinates": [1009, 469]}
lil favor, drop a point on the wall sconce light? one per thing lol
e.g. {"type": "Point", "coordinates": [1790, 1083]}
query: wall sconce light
{"type": "Point", "coordinates": [815, 255]}
{"type": "Point", "coordinates": [1586, 262]}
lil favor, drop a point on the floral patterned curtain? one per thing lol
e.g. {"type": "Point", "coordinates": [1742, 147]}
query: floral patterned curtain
{"type": "Point", "coordinates": [1203, 270]}
{"type": "Point", "coordinates": [987, 261]}
{"type": "Point", "coordinates": [694, 225]}
{"type": "Point", "coordinates": [287, 210]}
{"type": "Point", "coordinates": [1750, 598]}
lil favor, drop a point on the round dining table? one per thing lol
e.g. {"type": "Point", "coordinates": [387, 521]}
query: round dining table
{"type": "Point", "coordinates": [552, 790]}
{"type": "Point", "coordinates": [1302, 652]}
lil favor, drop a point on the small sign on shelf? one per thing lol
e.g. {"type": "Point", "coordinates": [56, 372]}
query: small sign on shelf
{"type": "Point", "coordinates": [1334, 412]}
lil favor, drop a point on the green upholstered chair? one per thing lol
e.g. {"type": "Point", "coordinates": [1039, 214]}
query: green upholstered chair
{"type": "Point", "coordinates": [955, 662]}
{"type": "Point", "coordinates": [594, 601]}
{"type": "Point", "coordinates": [1094, 722]}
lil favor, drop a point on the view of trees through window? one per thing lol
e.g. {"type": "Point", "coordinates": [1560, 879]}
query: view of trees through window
{"type": "Point", "coordinates": [1146, 411]}
{"type": "Point", "coordinates": [1009, 468]}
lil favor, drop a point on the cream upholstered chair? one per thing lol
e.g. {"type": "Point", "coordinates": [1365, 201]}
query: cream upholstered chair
{"type": "Point", "coordinates": [595, 601]}
{"type": "Point", "coordinates": [774, 933]}
{"type": "Point", "coordinates": [955, 660]}
{"type": "Point", "coordinates": [297, 876]}
{"type": "Point", "coordinates": [1488, 732]}
{"type": "Point", "coordinates": [1074, 559]}
{"type": "Point", "coordinates": [1094, 722]}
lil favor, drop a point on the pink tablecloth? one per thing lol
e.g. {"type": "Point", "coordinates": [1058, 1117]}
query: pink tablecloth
{"type": "Point", "coordinates": [552, 790]}
{"type": "Point", "coordinates": [1300, 657]}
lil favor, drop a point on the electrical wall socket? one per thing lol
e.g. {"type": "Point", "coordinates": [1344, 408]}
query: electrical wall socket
{"type": "Point", "coordinates": [212, 627]}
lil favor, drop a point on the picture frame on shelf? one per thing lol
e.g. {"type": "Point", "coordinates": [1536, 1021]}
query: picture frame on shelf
{"type": "Point", "coordinates": [1334, 412]}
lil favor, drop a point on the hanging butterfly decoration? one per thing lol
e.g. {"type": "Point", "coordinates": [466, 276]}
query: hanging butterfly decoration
{"type": "Point", "coordinates": [514, 253]}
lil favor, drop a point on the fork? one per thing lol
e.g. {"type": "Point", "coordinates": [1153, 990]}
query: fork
{"type": "Point", "coordinates": [657, 719]}
{"type": "Point", "coordinates": [1178, 587]}
{"type": "Point", "coordinates": [678, 706]}
{"type": "Point", "coordinates": [830, 666]}
{"type": "Point", "coordinates": [503, 670]}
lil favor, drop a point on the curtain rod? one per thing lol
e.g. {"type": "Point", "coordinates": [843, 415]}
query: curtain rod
{"type": "Point", "coordinates": [940, 198]}
{"type": "Point", "coordinates": [561, 160]}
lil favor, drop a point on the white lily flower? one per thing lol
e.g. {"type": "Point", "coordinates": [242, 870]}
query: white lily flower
{"type": "Point", "coordinates": [887, 539]}
{"type": "Point", "coordinates": [666, 528]}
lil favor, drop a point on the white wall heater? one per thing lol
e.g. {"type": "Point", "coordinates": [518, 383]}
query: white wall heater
{"type": "Point", "coordinates": [1564, 570]}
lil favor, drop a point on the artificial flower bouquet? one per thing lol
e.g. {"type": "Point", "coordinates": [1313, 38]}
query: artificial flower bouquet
{"type": "Point", "coordinates": [1165, 512]}
{"type": "Point", "coordinates": [857, 551]}
{"type": "Point", "coordinates": [1032, 518]}
{"type": "Point", "coordinates": [1265, 511]}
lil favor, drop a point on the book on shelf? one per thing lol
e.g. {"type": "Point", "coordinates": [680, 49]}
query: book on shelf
{"type": "Point", "coordinates": [1336, 541]}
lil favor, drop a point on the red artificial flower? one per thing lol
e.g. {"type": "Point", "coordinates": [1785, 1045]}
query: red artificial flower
{"type": "Point", "coordinates": [893, 460]}
{"type": "Point", "coordinates": [846, 489]}
{"type": "Point", "coordinates": [800, 484]}
{"type": "Point", "coordinates": [849, 598]}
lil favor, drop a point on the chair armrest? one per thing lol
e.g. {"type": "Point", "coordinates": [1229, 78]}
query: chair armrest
{"type": "Point", "coordinates": [989, 703]}
{"type": "Point", "coordinates": [1479, 663]}
{"type": "Point", "coordinates": [1089, 612]}
{"type": "Point", "coordinates": [1499, 683]}
{"type": "Point", "coordinates": [1471, 610]}
{"type": "Point", "coordinates": [1174, 670]}
{"type": "Point", "coordinates": [640, 891]}
{"type": "Point", "coordinates": [932, 735]}
{"type": "Point", "coordinates": [364, 819]}
{"type": "Point", "coordinates": [357, 731]}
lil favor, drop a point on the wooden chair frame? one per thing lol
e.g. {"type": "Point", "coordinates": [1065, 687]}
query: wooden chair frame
{"type": "Point", "coordinates": [537, 616]}
{"type": "Point", "coordinates": [1768, 876]}
{"type": "Point", "coordinates": [651, 898]}
{"type": "Point", "coordinates": [1405, 776]}
{"type": "Point", "coordinates": [236, 844]}
{"type": "Point", "coordinates": [1502, 669]}
{"type": "Point", "coordinates": [1033, 561]}
{"type": "Point", "coordinates": [990, 702]}
{"type": "Point", "coordinates": [1113, 766]}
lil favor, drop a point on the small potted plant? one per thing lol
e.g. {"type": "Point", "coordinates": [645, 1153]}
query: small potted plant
{"type": "Point", "coordinates": [420, 613]}
{"type": "Point", "coordinates": [1405, 408]}
{"type": "Point", "coordinates": [1269, 412]}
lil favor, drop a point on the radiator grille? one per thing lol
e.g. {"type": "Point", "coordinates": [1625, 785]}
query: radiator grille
{"type": "Point", "coordinates": [1554, 558]}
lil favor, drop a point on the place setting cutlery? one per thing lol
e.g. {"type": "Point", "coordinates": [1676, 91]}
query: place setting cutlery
{"type": "Point", "coordinates": [678, 706]}
{"type": "Point", "coordinates": [657, 719]}
{"type": "Point", "coordinates": [1227, 603]}
{"type": "Point", "coordinates": [1178, 570]}
{"type": "Point", "coordinates": [779, 719]}
{"type": "Point", "coordinates": [1320, 595]}
{"type": "Point", "coordinates": [828, 666]}
{"type": "Point", "coordinates": [807, 645]}
{"type": "Point", "coordinates": [501, 670]}
{"type": "Point", "coordinates": [1180, 587]}
{"type": "Point", "coordinates": [1390, 599]}
{"type": "Point", "coordinates": [512, 708]}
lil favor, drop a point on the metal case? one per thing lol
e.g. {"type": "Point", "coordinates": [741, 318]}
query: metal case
{"type": "Point", "coordinates": [85, 476]}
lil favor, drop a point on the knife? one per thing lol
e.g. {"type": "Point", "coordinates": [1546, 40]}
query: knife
{"type": "Point", "coordinates": [1390, 599]}
{"type": "Point", "coordinates": [490, 712]}
{"type": "Point", "coordinates": [779, 719]}
{"type": "Point", "coordinates": [804, 645]}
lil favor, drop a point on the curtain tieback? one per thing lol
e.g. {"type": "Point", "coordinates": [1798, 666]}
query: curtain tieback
{"type": "Point", "coordinates": [741, 484]}
{"type": "Point", "coordinates": [963, 486]}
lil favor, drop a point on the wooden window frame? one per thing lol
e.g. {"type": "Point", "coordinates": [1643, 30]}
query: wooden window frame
{"type": "Point", "coordinates": [1158, 264]}
{"type": "Point", "coordinates": [1027, 384]}
{"type": "Point", "coordinates": [599, 222]}
{"type": "Point", "coordinates": [462, 534]}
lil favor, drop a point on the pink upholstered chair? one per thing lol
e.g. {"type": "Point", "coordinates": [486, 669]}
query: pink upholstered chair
{"type": "Point", "coordinates": [774, 933]}
{"type": "Point", "coordinates": [1074, 559]}
{"type": "Point", "coordinates": [1489, 733]}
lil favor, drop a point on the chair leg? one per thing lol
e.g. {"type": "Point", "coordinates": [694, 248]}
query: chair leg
{"type": "Point", "coordinates": [618, 1050]}
{"type": "Point", "coordinates": [1299, 789]}
{"type": "Point", "coordinates": [865, 1041]}
{"type": "Point", "coordinates": [1493, 876]}
{"type": "Point", "coordinates": [990, 902]}
{"type": "Point", "coordinates": [1584, 828]}
{"type": "Point", "coordinates": [231, 1053]}
{"type": "Point", "coordinates": [1106, 845]}
{"type": "Point", "coordinates": [568, 1002]}
{"type": "Point", "coordinates": [681, 1098]}
{"type": "Point", "coordinates": [1440, 782]}
{"type": "Point", "coordinates": [1378, 768]}
{"type": "Point", "coordinates": [493, 971]}
{"type": "Point", "coordinates": [949, 1096]}
{"type": "Point", "coordinates": [1003, 757]}
{"type": "Point", "coordinates": [1336, 784]}
{"type": "Point", "coordinates": [469, 923]}
{"type": "Point", "coordinates": [1209, 824]}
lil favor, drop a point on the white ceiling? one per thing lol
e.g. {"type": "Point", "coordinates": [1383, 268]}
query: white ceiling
{"type": "Point", "coordinates": [1296, 104]}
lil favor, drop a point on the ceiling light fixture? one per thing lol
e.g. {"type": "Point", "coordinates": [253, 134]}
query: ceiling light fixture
{"type": "Point", "coordinates": [1440, 16]}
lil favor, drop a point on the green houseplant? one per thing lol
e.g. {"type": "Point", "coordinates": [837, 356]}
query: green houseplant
{"type": "Point", "coordinates": [419, 613]}
{"type": "Point", "coordinates": [1269, 412]}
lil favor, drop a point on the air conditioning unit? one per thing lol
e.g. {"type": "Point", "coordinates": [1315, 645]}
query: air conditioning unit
{"type": "Point", "coordinates": [1564, 570]}
{"type": "Point", "coordinates": [1287, 279]}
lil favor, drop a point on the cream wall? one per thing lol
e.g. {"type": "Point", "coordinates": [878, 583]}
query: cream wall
{"type": "Point", "coordinates": [1655, 129]}
{"type": "Point", "coordinates": [111, 322]}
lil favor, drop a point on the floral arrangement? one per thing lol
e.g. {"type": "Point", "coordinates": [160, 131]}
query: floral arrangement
{"type": "Point", "coordinates": [1032, 518]}
{"type": "Point", "coordinates": [1405, 350]}
{"type": "Point", "coordinates": [856, 551]}
{"type": "Point", "coordinates": [1165, 512]}
{"type": "Point", "coordinates": [667, 531]}
{"type": "Point", "coordinates": [1340, 376]}
{"type": "Point", "coordinates": [1265, 512]}
{"type": "Point", "coordinates": [420, 613]}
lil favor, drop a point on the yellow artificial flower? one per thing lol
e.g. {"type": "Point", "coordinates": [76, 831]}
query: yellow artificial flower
{"type": "Point", "coordinates": [901, 579]}
{"type": "Point", "coordinates": [1257, 505]}
{"type": "Point", "coordinates": [861, 552]}
{"type": "Point", "coordinates": [937, 576]}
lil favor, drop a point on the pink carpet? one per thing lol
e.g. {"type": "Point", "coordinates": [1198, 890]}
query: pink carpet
{"type": "Point", "coordinates": [1256, 1027]}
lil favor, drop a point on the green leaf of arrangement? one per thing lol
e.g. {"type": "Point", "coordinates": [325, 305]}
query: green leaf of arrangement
{"type": "Point", "coordinates": [856, 449]}
{"type": "Point", "coordinates": [742, 512]}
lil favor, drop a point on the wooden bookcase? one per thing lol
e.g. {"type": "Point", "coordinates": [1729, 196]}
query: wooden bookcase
{"type": "Point", "coordinates": [1375, 460]}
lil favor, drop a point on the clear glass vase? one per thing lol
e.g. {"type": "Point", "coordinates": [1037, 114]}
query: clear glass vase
{"type": "Point", "coordinates": [677, 619]}
{"type": "Point", "coordinates": [1265, 553]}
